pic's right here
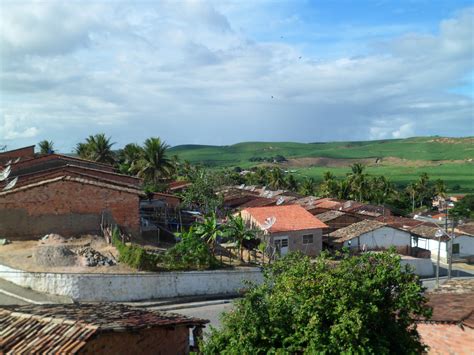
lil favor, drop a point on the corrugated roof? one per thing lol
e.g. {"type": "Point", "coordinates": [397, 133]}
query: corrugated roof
{"type": "Point", "coordinates": [355, 230]}
{"type": "Point", "coordinates": [288, 218]}
{"type": "Point", "coordinates": [66, 328]}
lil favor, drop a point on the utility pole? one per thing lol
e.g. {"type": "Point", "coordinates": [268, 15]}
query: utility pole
{"type": "Point", "coordinates": [449, 240]}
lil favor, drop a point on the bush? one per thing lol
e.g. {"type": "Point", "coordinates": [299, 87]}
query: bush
{"type": "Point", "coordinates": [134, 255]}
{"type": "Point", "coordinates": [190, 253]}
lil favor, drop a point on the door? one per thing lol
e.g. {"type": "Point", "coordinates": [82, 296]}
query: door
{"type": "Point", "coordinates": [281, 245]}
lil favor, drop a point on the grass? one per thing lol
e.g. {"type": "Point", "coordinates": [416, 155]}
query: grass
{"type": "Point", "coordinates": [418, 148]}
{"type": "Point", "coordinates": [433, 156]}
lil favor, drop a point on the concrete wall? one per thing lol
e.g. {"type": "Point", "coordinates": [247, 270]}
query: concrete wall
{"type": "Point", "coordinates": [432, 245]}
{"type": "Point", "coordinates": [421, 267]}
{"type": "Point", "coordinates": [66, 207]}
{"type": "Point", "coordinates": [384, 237]}
{"type": "Point", "coordinates": [133, 287]}
{"type": "Point", "coordinates": [466, 245]}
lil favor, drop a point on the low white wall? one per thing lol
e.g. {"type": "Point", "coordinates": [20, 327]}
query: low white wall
{"type": "Point", "coordinates": [134, 287]}
{"type": "Point", "coordinates": [422, 267]}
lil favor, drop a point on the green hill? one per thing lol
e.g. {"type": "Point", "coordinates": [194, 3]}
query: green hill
{"type": "Point", "coordinates": [401, 159]}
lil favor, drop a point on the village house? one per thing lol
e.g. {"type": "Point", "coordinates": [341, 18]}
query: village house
{"type": "Point", "coordinates": [337, 220]}
{"type": "Point", "coordinates": [370, 235]}
{"type": "Point", "coordinates": [95, 329]}
{"type": "Point", "coordinates": [287, 228]}
{"type": "Point", "coordinates": [450, 330]}
{"type": "Point", "coordinates": [54, 193]}
{"type": "Point", "coordinates": [425, 236]}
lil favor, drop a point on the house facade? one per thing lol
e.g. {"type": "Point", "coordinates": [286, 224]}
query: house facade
{"type": "Point", "coordinates": [286, 228]}
{"type": "Point", "coordinates": [370, 235]}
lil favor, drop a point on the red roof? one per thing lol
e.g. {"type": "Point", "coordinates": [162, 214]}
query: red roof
{"type": "Point", "coordinates": [288, 218]}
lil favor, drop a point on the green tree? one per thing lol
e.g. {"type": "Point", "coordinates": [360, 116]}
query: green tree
{"type": "Point", "coordinates": [329, 187]}
{"type": "Point", "coordinates": [291, 183]}
{"type": "Point", "coordinates": [238, 231]}
{"type": "Point", "coordinates": [129, 158]}
{"type": "Point", "coordinates": [155, 166]}
{"type": "Point", "coordinates": [358, 181]}
{"type": "Point", "coordinates": [380, 189]}
{"type": "Point", "coordinates": [308, 187]}
{"type": "Point", "coordinates": [209, 230]}
{"type": "Point", "coordinates": [276, 179]}
{"type": "Point", "coordinates": [365, 304]}
{"type": "Point", "coordinates": [202, 193]}
{"type": "Point", "coordinates": [97, 148]}
{"type": "Point", "coordinates": [46, 147]}
{"type": "Point", "coordinates": [440, 188]}
{"type": "Point", "coordinates": [463, 208]}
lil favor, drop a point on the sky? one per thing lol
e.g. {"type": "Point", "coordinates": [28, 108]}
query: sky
{"type": "Point", "coordinates": [222, 72]}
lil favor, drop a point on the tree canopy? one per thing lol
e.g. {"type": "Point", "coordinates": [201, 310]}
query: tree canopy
{"type": "Point", "coordinates": [365, 304]}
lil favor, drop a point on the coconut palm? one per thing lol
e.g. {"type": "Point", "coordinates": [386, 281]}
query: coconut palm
{"type": "Point", "coordinates": [155, 166]}
{"type": "Point", "coordinates": [238, 231]}
{"type": "Point", "coordinates": [358, 182]}
{"type": "Point", "coordinates": [46, 147]}
{"type": "Point", "coordinates": [210, 231]}
{"type": "Point", "coordinates": [291, 183]}
{"type": "Point", "coordinates": [308, 187]}
{"type": "Point", "coordinates": [440, 188]}
{"type": "Point", "coordinates": [329, 186]}
{"type": "Point", "coordinates": [129, 157]}
{"type": "Point", "coordinates": [100, 149]}
{"type": "Point", "coordinates": [82, 150]}
{"type": "Point", "coordinates": [276, 179]}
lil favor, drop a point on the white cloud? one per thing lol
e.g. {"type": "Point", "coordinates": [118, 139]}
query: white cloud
{"type": "Point", "coordinates": [15, 128]}
{"type": "Point", "coordinates": [133, 70]}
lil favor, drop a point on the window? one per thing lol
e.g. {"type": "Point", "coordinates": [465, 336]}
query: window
{"type": "Point", "coordinates": [281, 243]}
{"type": "Point", "coordinates": [308, 239]}
{"type": "Point", "coordinates": [456, 248]}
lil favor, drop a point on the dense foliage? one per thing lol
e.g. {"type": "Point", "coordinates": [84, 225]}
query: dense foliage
{"type": "Point", "coordinates": [364, 304]}
{"type": "Point", "coordinates": [463, 208]}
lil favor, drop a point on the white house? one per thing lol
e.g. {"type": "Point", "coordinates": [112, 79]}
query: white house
{"type": "Point", "coordinates": [425, 237]}
{"type": "Point", "coordinates": [370, 235]}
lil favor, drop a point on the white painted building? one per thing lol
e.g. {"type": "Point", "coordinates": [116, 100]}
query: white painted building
{"type": "Point", "coordinates": [370, 235]}
{"type": "Point", "coordinates": [425, 237]}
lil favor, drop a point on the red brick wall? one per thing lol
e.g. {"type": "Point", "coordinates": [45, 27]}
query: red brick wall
{"type": "Point", "coordinates": [447, 338]}
{"type": "Point", "coordinates": [66, 207]}
{"type": "Point", "coordinates": [17, 153]}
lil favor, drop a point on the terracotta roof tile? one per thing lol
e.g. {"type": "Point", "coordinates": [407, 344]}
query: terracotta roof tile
{"type": "Point", "coordinates": [355, 230]}
{"type": "Point", "coordinates": [288, 218]}
{"type": "Point", "coordinates": [329, 216]}
{"type": "Point", "coordinates": [66, 328]}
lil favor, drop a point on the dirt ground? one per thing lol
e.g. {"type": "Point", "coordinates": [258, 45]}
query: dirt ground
{"type": "Point", "coordinates": [19, 255]}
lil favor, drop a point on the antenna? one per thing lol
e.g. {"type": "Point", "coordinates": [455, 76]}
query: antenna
{"type": "Point", "coordinates": [5, 173]}
{"type": "Point", "coordinates": [11, 184]}
{"type": "Point", "coordinates": [269, 222]}
{"type": "Point", "coordinates": [280, 201]}
{"type": "Point", "coordinates": [9, 162]}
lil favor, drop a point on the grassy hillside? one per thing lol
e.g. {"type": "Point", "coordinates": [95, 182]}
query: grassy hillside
{"type": "Point", "coordinates": [402, 160]}
{"type": "Point", "coordinates": [420, 148]}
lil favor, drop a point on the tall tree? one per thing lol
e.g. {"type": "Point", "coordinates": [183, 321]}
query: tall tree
{"type": "Point", "coordinates": [363, 305]}
{"type": "Point", "coordinates": [440, 188]}
{"type": "Point", "coordinates": [155, 166]}
{"type": "Point", "coordinates": [210, 230]}
{"type": "Point", "coordinates": [97, 148]}
{"type": "Point", "coordinates": [237, 230]}
{"type": "Point", "coordinates": [276, 179]}
{"type": "Point", "coordinates": [358, 181]}
{"type": "Point", "coordinates": [129, 158]}
{"type": "Point", "coordinates": [46, 147]}
{"type": "Point", "coordinates": [308, 187]}
{"type": "Point", "coordinates": [291, 183]}
{"type": "Point", "coordinates": [329, 187]}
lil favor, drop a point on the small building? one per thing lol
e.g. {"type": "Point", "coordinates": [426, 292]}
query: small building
{"type": "Point", "coordinates": [337, 220]}
{"type": "Point", "coordinates": [95, 329]}
{"type": "Point", "coordinates": [370, 235]}
{"type": "Point", "coordinates": [287, 228]}
{"type": "Point", "coordinates": [424, 236]}
{"type": "Point", "coordinates": [450, 330]}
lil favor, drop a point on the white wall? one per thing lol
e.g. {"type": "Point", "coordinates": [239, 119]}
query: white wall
{"type": "Point", "coordinates": [432, 245]}
{"type": "Point", "coordinates": [466, 245]}
{"type": "Point", "coordinates": [422, 267]}
{"type": "Point", "coordinates": [133, 287]}
{"type": "Point", "coordinates": [384, 237]}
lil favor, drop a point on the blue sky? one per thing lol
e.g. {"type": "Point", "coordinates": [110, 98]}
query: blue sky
{"type": "Point", "coordinates": [221, 72]}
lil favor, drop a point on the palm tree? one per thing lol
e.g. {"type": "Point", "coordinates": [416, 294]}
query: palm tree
{"type": "Point", "coordinates": [46, 147]}
{"type": "Point", "coordinates": [155, 165]}
{"type": "Point", "coordinates": [440, 188]}
{"type": "Point", "coordinates": [292, 184]}
{"type": "Point", "coordinates": [238, 231]}
{"type": "Point", "coordinates": [209, 230]}
{"type": "Point", "coordinates": [100, 149]}
{"type": "Point", "coordinates": [380, 189]}
{"type": "Point", "coordinates": [357, 181]}
{"type": "Point", "coordinates": [308, 187]}
{"type": "Point", "coordinates": [82, 149]}
{"type": "Point", "coordinates": [276, 179]}
{"type": "Point", "coordinates": [329, 186]}
{"type": "Point", "coordinates": [130, 156]}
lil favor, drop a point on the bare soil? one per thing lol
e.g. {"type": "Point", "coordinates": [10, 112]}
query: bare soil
{"type": "Point", "coordinates": [19, 255]}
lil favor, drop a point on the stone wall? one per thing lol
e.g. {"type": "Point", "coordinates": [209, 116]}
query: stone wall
{"type": "Point", "coordinates": [134, 286]}
{"type": "Point", "coordinates": [66, 207]}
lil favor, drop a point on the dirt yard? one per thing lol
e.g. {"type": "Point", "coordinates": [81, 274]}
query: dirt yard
{"type": "Point", "coordinates": [20, 255]}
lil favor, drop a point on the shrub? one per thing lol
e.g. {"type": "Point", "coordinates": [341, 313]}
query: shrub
{"type": "Point", "coordinates": [134, 255]}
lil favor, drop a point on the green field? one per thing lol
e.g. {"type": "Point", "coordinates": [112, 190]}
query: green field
{"type": "Point", "coordinates": [449, 159]}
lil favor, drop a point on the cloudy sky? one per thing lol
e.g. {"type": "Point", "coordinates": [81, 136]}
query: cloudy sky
{"type": "Point", "coordinates": [221, 72]}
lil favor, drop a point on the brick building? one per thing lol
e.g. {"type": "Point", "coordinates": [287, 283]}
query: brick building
{"type": "Point", "coordinates": [95, 329]}
{"type": "Point", "coordinates": [287, 228]}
